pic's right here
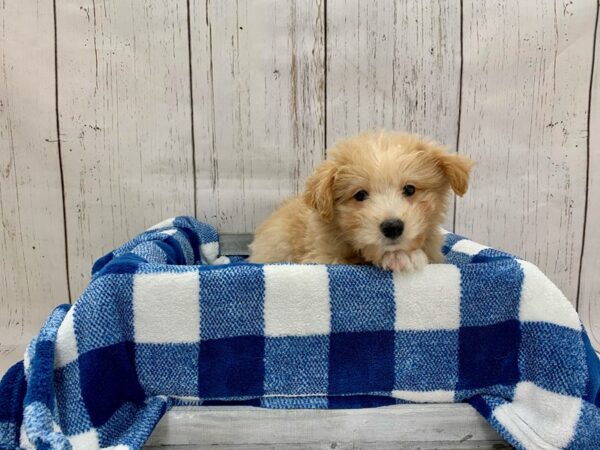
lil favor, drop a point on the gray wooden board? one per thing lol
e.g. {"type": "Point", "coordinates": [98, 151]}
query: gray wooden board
{"type": "Point", "coordinates": [125, 117]}
{"type": "Point", "coordinates": [33, 269]}
{"type": "Point", "coordinates": [258, 87]}
{"type": "Point", "coordinates": [10, 354]}
{"type": "Point", "coordinates": [589, 289]}
{"type": "Point", "coordinates": [415, 445]}
{"type": "Point", "coordinates": [524, 121]}
{"type": "Point", "coordinates": [235, 244]}
{"type": "Point", "coordinates": [456, 426]}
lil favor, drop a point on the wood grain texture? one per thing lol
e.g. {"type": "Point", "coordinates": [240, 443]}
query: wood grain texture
{"type": "Point", "coordinates": [32, 250]}
{"type": "Point", "coordinates": [125, 118]}
{"type": "Point", "coordinates": [456, 426]}
{"type": "Point", "coordinates": [258, 86]}
{"type": "Point", "coordinates": [589, 291]}
{"type": "Point", "coordinates": [393, 65]}
{"type": "Point", "coordinates": [431, 445]}
{"type": "Point", "coordinates": [525, 88]}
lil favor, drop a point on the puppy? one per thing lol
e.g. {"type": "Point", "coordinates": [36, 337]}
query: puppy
{"type": "Point", "coordinates": [379, 198]}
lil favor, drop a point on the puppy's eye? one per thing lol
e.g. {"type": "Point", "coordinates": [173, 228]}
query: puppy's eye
{"type": "Point", "coordinates": [409, 190]}
{"type": "Point", "coordinates": [361, 196]}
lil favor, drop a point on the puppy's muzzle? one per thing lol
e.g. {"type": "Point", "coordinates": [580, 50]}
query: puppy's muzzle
{"type": "Point", "coordinates": [391, 228]}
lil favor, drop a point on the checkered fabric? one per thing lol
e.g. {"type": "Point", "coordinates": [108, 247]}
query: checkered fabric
{"type": "Point", "coordinates": [165, 321]}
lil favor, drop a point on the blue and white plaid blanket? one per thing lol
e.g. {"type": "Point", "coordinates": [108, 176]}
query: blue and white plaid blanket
{"type": "Point", "coordinates": [165, 321]}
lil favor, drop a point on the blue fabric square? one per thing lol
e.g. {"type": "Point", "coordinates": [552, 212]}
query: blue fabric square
{"type": "Point", "coordinates": [124, 264]}
{"type": "Point", "coordinates": [231, 367]}
{"type": "Point", "coordinates": [99, 320]}
{"type": "Point", "coordinates": [40, 370]}
{"type": "Point", "coordinates": [102, 261]}
{"type": "Point", "coordinates": [123, 418]}
{"type": "Point", "coordinates": [150, 252]}
{"type": "Point", "coordinates": [12, 389]}
{"type": "Point", "coordinates": [458, 258]}
{"type": "Point", "coordinates": [354, 308]}
{"type": "Point", "coordinates": [592, 386]}
{"type": "Point", "coordinates": [498, 284]}
{"type": "Point", "coordinates": [361, 362]}
{"type": "Point", "coordinates": [553, 357]}
{"type": "Point", "coordinates": [184, 246]}
{"type": "Point", "coordinates": [172, 251]}
{"type": "Point", "coordinates": [426, 360]}
{"type": "Point", "coordinates": [489, 355]}
{"type": "Point", "coordinates": [109, 379]}
{"type": "Point", "coordinates": [9, 435]}
{"type": "Point", "coordinates": [205, 232]}
{"type": "Point", "coordinates": [360, 401]}
{"type": "Point", "coordinates": [131, 424]}
{"type": "Point", "coordinates": [193, 241]}
{"type": "Point", "coordinates": [231, 302]}
{"type": "Point", "coordinates": [482, 407]}
{"type": "Point", "coordinates": [489, 255]}
{"type": "Point", "coordinates": [72, 413]}
{"type": "Point", "coordinates": [296, 365]}
{"type": "Point", "coordinates": [168, 369]}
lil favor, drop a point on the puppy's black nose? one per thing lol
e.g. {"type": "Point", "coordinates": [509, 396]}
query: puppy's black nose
{"type": "Point", "coordinates": [392, 228]}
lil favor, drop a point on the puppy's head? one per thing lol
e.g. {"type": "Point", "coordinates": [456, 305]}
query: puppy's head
{"type": "Point", "coordinates": [385, 191]}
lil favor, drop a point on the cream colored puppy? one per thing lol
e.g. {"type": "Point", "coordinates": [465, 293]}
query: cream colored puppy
{"type": "Point", "coordinates": [379, 198]}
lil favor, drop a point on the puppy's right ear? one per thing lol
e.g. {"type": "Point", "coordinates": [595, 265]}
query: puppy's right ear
{"type": "Point", "coordinates": [319, 189]}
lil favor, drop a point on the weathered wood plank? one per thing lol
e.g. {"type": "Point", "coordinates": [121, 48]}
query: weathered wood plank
{"type": "Point", "coordinates": [32, 250]}
{"type": "Point", "coordinates": [525, 88]}
{"type": "Point", "coordinates": [235, 244]}
{"type": "Point", "coordinates": [13, 353]}
{"type": "Point", "coordinates": [124, 105]}
{"type": "Point", "coordinates": [431, 445]}
{"type": "Point", "coordinates": [394, 65]}
{"type": "Point", "coordinates": [258, 86]}
{"type": "Point", "coordinates": [456, 426]}
{"type": "Point", "coordinates": [589, 292]}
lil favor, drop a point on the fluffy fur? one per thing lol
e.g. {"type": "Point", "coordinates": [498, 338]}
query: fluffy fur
{"type": "Point", "coordinates": [328, 225]}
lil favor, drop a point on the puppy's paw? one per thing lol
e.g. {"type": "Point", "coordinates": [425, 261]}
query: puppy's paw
{"type": "Point", "coordinates": [418, 258]}
{"type": "Point", "coordinates": [400, 261]}
{"type": "Point", "coordinates": [396, 261]}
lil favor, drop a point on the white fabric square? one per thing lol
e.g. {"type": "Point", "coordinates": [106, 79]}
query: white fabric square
{"type": "Point", "coordinates": [296, 300]}
{"type": "Point", "coordinates": [163, 224]}
{"type": "Point", "coordinates": [169, 232]}
{"type": "Point", "coordinates": [209, 252]}
{"type": "Point", "coordinates": [66, 343]}
{"type": "Point", "coordinates": [28, 355]}
{"type": "Point", "coordinates": [85, 441]}
{"type": "Point", "coordinates": [542, 301]}
{"type": "Point", "coordinates": [437, 396]}
{"type": "Point", "coordinates": [166, 307]}
{"type": "Point", "coordinates": [428, 299]}
{"type": "Point", "coordinates": [468, 247]}
{"type": "Point", "coordinates": [536, 412]}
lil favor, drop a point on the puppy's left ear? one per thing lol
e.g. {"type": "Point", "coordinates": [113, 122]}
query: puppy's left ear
{"type": "Point", "coordinates": [319, 189]}
{"type": "Point", "coordinates": [457, 168]}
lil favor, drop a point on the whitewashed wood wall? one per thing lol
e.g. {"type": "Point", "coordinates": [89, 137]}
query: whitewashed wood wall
{"type": "Point", "coordinates": [115, 115]}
